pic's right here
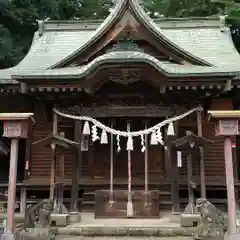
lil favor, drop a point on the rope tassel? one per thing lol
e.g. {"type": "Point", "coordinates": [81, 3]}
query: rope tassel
{"type": "Point", "coordinates": [130, 144]}
{"type": "Point", "coordinates": [104, 138]}
{"type": "Point", "coordinates": [170, 131]}
{"type": "Point", "coordinates": [154, 139]}
{"type": "Point", "coordinates": [86, 128]}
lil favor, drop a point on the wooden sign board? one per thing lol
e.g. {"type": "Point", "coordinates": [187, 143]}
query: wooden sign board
{"type": "Point", "coordinates": [227, 127]}
{"type": "Point", "coordinates": [15, 129]}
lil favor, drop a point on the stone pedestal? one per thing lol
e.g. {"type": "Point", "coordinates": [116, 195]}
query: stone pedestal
{"type": "Point", "coordinates": [59, 220]}
{"type": "Point", "coordinates": [190, 220]}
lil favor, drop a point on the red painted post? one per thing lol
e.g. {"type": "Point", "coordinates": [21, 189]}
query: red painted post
{"type": "Point", "coordinates": [230, 185]}
{"type": "Point", "coordinates": [12, 185]}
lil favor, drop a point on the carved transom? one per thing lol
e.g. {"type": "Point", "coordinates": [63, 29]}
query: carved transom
{"type": "Point", "coordinates": [125, 76]}
{"type": "Point", "coordinates": [125, 45]}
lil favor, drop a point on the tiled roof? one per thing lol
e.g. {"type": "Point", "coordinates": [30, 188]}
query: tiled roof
{"type": "Point", "coordinates": [167, 68]}
{"type": "Point", "coordinates": [199, 38]}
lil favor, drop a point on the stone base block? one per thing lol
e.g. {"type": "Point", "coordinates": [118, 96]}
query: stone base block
{"type": "Point", "coordinates": [60, 220]}
{"type": "Point", "coordinates": [190, 220]}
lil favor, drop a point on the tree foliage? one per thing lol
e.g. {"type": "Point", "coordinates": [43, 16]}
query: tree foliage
{"type": "Point", "coordinates": [18, 17]}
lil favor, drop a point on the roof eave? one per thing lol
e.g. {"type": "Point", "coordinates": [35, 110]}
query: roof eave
{"type": "Point", "coordinates": [222, 114]}
{"type": "Point", "coordinates": [168, 74]}
{"type": "Point", "coordinates": [16, 116]}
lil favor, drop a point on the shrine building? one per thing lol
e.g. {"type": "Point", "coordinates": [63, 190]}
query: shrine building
{"type": "Point", "coordinates": [130, 73]}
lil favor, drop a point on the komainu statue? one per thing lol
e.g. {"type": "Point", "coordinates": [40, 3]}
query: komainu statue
{"type": "Point", "coordinates": [212, 221]}
{"type": "Point", "coordinates": [38, 216]}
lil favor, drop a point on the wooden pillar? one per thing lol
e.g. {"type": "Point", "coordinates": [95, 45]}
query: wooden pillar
{"type": "Point", "coordinates": [230, 185]}
{"type": "Point", "coordinates": [12, 185]}
{"type": "Point", "coordinates": [76, 168]}
{"type": "Point", "coordinates": [174, 174]}
{"type": "Point", "coordinates": [28, 154]}
{"type": "Point", "coordinates": [190, 189]}
{"type": "Point", "coordinates": [23, 198]}
{"type": "Point", "coordinates": [61, 166]}
{"type": "Point", "coordinates": [146, 168]}
{"type": "Point", "coordinates": [129, 203]}
{"type": "Point", "coordinates": [111, 201]}
{"type": "Point", "coordinates": [201, 150]}
{"type": "Point", "coordinates": [53, 172]}
{"type": "Point", "coordinates": [172, 156]}
{"type": "Point", "coordinates": [167, 159]}
{"type": "Point", "coordinates": [53, 165]}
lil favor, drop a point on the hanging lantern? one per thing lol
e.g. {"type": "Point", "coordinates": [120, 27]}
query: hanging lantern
{"type": "Point", "coordinates": [86, 128]}
{"type": "Point", "coordinates": [130, 144]}
{"type": "Point", "coordinates": [154, 139]}
{"type": "Point", "coordinates": [170, 131]}
{"type": "Point", "coordinates": [94, 133]}
{"type": "Point", "coordinates": [104, 138]}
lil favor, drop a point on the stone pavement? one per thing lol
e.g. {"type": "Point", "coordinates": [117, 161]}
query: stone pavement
{"type": "Point", "coordinates": [123, 238]}
{"type": "Point", "coordinates": [88, 226]}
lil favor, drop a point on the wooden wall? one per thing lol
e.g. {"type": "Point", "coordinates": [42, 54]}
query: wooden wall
{"type": "Point", "coordinates": [41, 157]}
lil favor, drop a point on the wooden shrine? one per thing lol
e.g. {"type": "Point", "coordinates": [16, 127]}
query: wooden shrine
{"type": "Point", "coordinates": [129, 73]}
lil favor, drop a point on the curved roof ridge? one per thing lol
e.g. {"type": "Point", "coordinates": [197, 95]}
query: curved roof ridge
{"type": "Point", "coordinates": [99, 31]}
{"type": "Point", "coordinates": [157, 31]}
{"type": "Point", "coordinates": [147, 21]}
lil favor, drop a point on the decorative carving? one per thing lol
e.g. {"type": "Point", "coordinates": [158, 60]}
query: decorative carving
{"type": "Point", "coordinates": [223, 22]}
{"type": "Point", "coordinates": [126, 44]}
{"type": "Point", "coordinates": [212, 219]}
{"type": "Point", "coordinates": [41, 26]}
{"type": "Point", "coordinates": [126, 77]}
{"type": "Point", "coordinates": [38, 216]}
